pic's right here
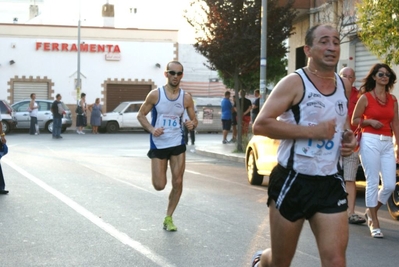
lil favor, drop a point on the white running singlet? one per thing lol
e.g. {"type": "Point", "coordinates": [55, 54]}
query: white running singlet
{"type": "Point", "coordinates": [168, 114]}
{"type": "Point", "coordinates": [315, 156]}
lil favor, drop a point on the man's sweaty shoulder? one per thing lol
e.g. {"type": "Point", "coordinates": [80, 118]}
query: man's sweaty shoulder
{"type": "Point", "coordinates": [289, 90]}
{"type": "Point", "coordinates": [152, 97]}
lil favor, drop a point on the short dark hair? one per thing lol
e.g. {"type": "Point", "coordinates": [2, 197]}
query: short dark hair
{"type": "Point", "coordinates": [174, 62]}
{"type": "Point", "coordinates": [58, 95]}
{"type": "Point", "coordinates": [32, 94]}
{"type": "Point", "coordinates": [227, 93]}
{"type": "Point", "coordinates": [309, 37]}
{"type": "Point", "coordinates": [82, 95]}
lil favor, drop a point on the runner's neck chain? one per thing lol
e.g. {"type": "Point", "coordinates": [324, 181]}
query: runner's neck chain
{"type": "Point", "coordinates": [322, 77]}
{"type": "Point", "coordinates": [380, 101]}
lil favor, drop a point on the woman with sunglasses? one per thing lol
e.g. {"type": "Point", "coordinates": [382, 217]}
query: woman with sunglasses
{"type": "Point", "coordinates": [377, 113]}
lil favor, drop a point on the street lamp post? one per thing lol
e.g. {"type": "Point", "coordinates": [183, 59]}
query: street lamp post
{"type": "Point", "coordinates": [78, 82]}
{"type": "Point", "coordinates": [263, 56]}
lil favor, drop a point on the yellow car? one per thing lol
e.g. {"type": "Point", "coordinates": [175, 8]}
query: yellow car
{"type": "Point", "coordinates": [261, 157]}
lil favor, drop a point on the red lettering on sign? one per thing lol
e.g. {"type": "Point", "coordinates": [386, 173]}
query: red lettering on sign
{"type": "Point", "coordinates": [74, 47]}
{"type": "Point", "coordinates": [109, 47]}
{"type": "Point", "coordinates": [101, 48]}
{"type": "Point", "coordinates": [46, 46]}
{"type": "Point", "coordinates": [116, 49]}
{"type": "Point", "coordinates": [93, 48]}
{"type": "Point", "coordinates": [54, 46]}
{"type": "Point", "coordinates": [64, 47]}
{"type": "Point", "coordinates": [84, 47]}
{"type": "Point", "coordinates": [38, 45]}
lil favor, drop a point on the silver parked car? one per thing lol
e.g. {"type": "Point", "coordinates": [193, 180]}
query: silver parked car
{"type": "Point", "coordinates": [44, 116]}
{"type": "Point", "coordinates": [8, 120]}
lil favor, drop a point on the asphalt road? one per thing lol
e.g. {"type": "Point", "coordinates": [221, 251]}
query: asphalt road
{"type": "Point", "coordinates": [87, 200]}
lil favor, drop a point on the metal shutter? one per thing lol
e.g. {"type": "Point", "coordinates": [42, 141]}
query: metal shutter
{"type": "Point", "coordinates": [22, 90]}
{"type": "Point", "coordinates": [364, 61]}
{"type": "Point", "coordinates": [117, 93]}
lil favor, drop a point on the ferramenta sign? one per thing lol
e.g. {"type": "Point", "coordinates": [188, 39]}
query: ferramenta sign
{"type": "Point", "coordinates": [68, 47]}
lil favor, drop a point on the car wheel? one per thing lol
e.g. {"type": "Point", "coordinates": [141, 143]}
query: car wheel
{"type": "Point", "coordinates": [49, 126]}
{"type": "Point", "coordinates": [6, 127]}
{"type": "Point", "coordinates": [254, 177]}
{"type": "Point", "coordinates": [63, 129]}
{"type": "Point", "coordinates": [393, 203]}
{"type": "Point", "coordinates": [112, 127]}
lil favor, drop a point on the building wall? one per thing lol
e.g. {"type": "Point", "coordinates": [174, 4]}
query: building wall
{"type": "Point", "coordinates": [142, 58]}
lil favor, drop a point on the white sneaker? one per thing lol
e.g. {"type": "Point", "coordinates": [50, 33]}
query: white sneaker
{"type": "Point", "coordinates": [82, 132]}
{"type": "Point", "coordinates": [78, 132]}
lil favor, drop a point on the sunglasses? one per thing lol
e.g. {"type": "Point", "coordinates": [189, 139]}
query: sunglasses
{"type": "Point", "coordinates": [382, 74]}
{"type": "Point", "coordinates": [173, 73]}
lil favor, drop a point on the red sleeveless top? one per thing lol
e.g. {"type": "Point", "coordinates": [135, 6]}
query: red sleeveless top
{"type": "Point", "coordinates": [381, 113]}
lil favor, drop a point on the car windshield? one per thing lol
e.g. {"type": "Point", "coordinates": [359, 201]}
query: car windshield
{"type": "Point", "coordinates": [121, 107]}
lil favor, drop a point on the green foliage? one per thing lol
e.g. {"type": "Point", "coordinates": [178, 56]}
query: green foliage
{"type": "Point", "coordinates": [276, 68]}
{"type": "Point", "coordinates": [378, 22]}
{"type": "Point", "coordinates": [229, 35]}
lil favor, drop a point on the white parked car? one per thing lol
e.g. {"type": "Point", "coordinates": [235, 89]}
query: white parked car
{"type": "Point", "coordinates": [124, 116]}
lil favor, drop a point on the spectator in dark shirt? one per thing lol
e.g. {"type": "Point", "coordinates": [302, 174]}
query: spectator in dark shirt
{"type": "Point", "coordinates": [246, 111]}
{"type": "Point", "coordinates": [255, 105]}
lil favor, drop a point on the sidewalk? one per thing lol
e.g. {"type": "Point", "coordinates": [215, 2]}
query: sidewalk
{"type": "Point", "coordinates": [219, 151]}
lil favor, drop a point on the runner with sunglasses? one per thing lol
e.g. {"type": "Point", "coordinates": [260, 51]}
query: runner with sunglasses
{"type": "Point", "coordinates": [167, 144]}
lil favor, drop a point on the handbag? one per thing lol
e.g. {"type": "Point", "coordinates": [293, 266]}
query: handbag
{"type": "Point", "coordinates": [358, 135]}
{"type": "Point", "coordinates": [79, 110]}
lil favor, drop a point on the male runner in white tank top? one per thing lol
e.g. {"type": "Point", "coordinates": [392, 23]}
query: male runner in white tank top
{"type": "Point", "coordinates": [307, 110]}
{"type": "Point", "coordinates": [167, 106]}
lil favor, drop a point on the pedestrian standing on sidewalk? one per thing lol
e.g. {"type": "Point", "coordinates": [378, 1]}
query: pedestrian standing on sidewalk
{"type": "Point", "coordinates": [255, 105]}
{"type": "Point", "coordinates": [351, 163]}
{"type": "Point", "coordinates": [307, 111]}
{"type": "Point", "coordinates": [81, 119]}
{"type": "Point", "coordinates": [246, 107]}
{"type": "Point", "coordinates": [227, 108]}
{"type": "Point", "coordinates": [186, 130]}
{"type": "Point", "coordinates": [33, 110]}
{"type": "Point", "coordinates": [58, 113]}
{"type": "Point", "coordinates": [167, 105]}
{"type": "Point", "coordinates": [377, 113]}
{"type": "Point", "coordinates": [3, 151]}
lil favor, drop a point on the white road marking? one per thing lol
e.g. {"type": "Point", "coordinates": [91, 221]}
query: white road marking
{"type": "Point", "coordinates": [108, 228]}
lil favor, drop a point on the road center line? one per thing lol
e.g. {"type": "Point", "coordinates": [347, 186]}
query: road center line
{"type": "Point", "coordinates": [108, 228]}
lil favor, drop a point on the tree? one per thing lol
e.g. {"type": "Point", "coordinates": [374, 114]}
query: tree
{"type": "Point", "coordinates": [342, 13]}
{"type": "Point", "coordinates": [378, 22]}
{"type": "Point", "coordinates": [229, 37]}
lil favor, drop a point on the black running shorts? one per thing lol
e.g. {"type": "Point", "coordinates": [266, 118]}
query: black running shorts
{"type": "Point", "coordinates": [166, 153]}
{"type": "Point", "coordinates": [299, 196]}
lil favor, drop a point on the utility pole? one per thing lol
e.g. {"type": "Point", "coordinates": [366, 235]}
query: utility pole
{"type": "Point", "coordinates": [263, 57]}
{"type": "Point", "coordinates": [78, 81]}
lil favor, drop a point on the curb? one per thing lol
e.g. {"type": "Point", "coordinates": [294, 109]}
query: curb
{"type": "Point", "coordinates": [236, 158]}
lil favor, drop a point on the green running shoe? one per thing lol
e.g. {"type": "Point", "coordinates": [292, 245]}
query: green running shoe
{"type": "Point", "coordinates": [168, 224]}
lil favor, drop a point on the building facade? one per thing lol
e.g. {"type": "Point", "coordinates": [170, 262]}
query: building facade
{"type": "Point", "coordinates": [115, 64]}
{"type": "Point", "coordinates": [353, 53]}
